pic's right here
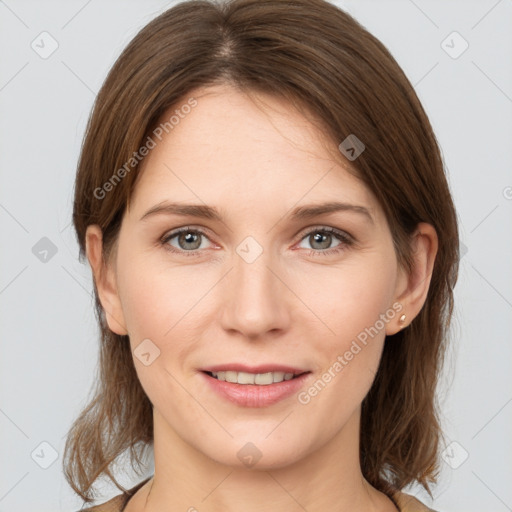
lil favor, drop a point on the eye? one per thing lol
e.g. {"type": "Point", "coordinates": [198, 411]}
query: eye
{"type": "Point", "coordinates": [188, 241]}
{"type": "Point", "coordinates": [321, 239]}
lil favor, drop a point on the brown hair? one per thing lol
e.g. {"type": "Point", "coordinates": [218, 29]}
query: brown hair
{"type": "Point", "coordinates": [323, 61]}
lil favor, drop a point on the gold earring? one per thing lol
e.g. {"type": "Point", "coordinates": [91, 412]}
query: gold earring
{"type": "Point", "coordinates": [402, 320]}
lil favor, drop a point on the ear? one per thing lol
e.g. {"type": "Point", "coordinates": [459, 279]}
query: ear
{"type": "Point", "coordinates": [412, 289]}
{"type": "Point", "coordinates": [105, 280]}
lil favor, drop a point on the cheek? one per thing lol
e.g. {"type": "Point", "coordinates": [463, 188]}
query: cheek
{"type": "Point", "coordinates": [157, 306]}
{"type": "Point", "coordinates": [162, 303]}
{"type": "Point", "coordinates": [350, 297]}
{"type": "Point", "coordinates": [155, 297]}
{"type": "Point", "coordinates": [351, 302]}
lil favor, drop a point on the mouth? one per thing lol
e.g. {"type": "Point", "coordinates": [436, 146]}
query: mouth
{"type": "Point", "coordinates": [261, 388]}
{"type": "Point", "coordinates": [259, 379]}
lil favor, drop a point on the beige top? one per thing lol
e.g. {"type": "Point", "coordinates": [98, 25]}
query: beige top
{"type": "Point", "coordinates": [404, 502]}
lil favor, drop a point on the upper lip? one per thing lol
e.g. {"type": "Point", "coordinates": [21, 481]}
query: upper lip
{"type": "Point", "coordinates": [261, 368]}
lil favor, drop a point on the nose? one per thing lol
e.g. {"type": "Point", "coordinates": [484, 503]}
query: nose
{"type": "Point", "coordinates": [256, 299]}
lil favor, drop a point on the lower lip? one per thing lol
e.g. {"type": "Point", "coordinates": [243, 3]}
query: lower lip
{"type": "Point", "coordinates": [253, 395]}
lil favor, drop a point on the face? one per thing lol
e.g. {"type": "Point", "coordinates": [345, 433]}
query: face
{"type": "Point", "coordinates": [268, 283]}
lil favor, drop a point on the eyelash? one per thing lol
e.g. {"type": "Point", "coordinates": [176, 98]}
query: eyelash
{"type": "Point", "coordinates": [345, 239]}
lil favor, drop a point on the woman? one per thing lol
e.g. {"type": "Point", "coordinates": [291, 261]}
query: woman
{"type": "Point", "coordinates": [263, 204]}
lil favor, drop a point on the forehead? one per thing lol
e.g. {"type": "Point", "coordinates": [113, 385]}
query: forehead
{"type": "Point", "coordinates": [257, 151]}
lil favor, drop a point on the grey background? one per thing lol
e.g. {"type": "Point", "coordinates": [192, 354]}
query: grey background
{"type": "Point", "coordinates": [49, 336]}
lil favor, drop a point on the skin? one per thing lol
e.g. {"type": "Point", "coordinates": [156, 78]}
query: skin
{"type": "Point", "coordinates": [255, 159]}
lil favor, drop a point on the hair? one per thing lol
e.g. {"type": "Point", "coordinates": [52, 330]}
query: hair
{"type": "Point", "coordinates": [320, 59]}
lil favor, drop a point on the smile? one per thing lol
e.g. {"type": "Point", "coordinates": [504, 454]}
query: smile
{"type": "Point", "coordinates": [260, 379]}
{"type": "Point", "coordinates": [254, 389]}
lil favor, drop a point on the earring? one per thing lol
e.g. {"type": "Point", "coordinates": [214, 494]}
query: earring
{"type": "Point", "coordinates": [402, 321]}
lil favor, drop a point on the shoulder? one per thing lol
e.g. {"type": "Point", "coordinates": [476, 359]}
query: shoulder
{"type": "Point", "coordinates": [405, 502]}
{"type": "Point", "coordinates": [408, 503]}
{"type": "Point", "coordinates": [116, 504]}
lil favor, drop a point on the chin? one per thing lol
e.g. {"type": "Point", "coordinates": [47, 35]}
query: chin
{"type": "Point", "coordinates": [258, 454]}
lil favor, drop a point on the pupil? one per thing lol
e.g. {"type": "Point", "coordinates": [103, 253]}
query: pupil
{"type": "Point", "coordinates": [188, 238]}
{"type": "Point", "coordinates": [323, 239]}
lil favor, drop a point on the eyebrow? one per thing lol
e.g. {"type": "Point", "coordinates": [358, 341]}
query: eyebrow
{"type": "Point", "coordinates": [299, 213]}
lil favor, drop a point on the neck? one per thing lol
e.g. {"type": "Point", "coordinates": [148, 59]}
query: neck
{"type": "Point", "coordinates": [328, 478]}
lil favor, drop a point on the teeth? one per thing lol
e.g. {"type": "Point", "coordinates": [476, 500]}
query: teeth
{"type": "Point", "coordinates": [262, 379]}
